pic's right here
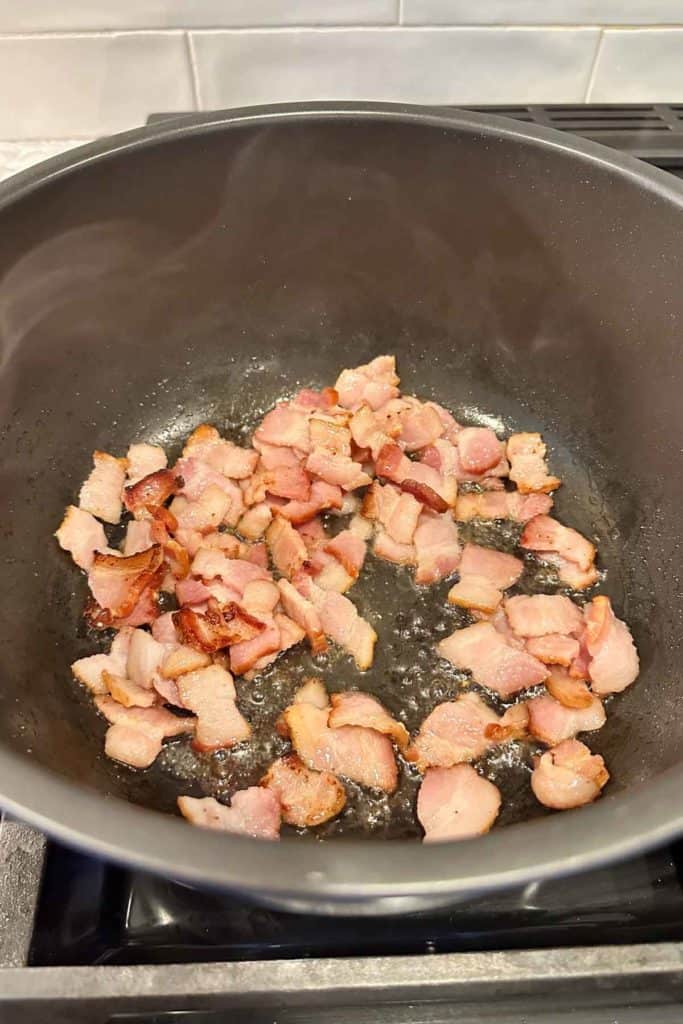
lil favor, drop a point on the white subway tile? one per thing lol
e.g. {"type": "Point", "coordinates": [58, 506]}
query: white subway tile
{"type": "Point", "coordinates": [642, 65]}
{"type": "Point", "coordinates": [406, 65]}
{"type": "Point", "coordinates": [86, 15]}
{"type": "Point", "coordinates": [542, 12]}
{"type": "Point", "coordinates": [90, 85]}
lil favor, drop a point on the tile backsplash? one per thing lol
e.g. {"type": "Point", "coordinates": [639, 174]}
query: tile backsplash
{"type": "Point", "coordinates": [81, 68]}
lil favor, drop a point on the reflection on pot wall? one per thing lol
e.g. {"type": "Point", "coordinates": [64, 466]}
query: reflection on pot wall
{"type": "Point", "coordinates": [88, 67]}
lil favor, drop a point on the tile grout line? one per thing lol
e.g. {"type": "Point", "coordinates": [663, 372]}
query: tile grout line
{"type": "Point", "coordinates": [194, 71]}
{"type": "Point", "coordinates": [382, 27]}
{"type": "Point", "coordinates": [400, 12]}
{"type": "Point", "coordinates": [594, 67]}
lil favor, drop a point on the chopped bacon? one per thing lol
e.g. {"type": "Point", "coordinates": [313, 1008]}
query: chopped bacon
{"type": "Point", "coordinates": [361, 527]}
{"type": "Point", "coordinates": [151, 491]}
{"type": "Point", "coordinates": [89, 670]}
{"type": "Point", "coordinates": [216, 628]}
{"type": "Point", "coordinates": [513, 725]}
{"type": "Point", "coordinates": [349, 550]}
{"type": "Point", "coordinates": [437, 548]}
{"type": "Point", "coordinates": [456, 803]}
{"type": "Point", "coordinates": [323, 496]}
{"type": "Point", "coordinates": [247, 653]}
{"type": "Point", "coordinates": [479, 449]}
{"type": "Point", "coordinates": [139, 536]}
{"type": "Point", "coordinates": [502, 505]}
{"type": "Point", "coordinates": [340, 621]}
{"type": "Point", "coordinates": [285, 426]}
{"type": "Point", "coordinates": [501, 569]}
{"type": "Point", "coordinates": [338, 470]}
{"type": "Point", "coordinates": [117, 583]}
{"type": "Point", "coordinates": [210, 693]}
{"type": "Point", "coordinates": [482, 650]}
{"type": "Point", "coordinates": [81, 535]}
{"type": "Point", "coordinates": [614, 663]}
{"type": "Point", "coordinates": [528, 466]}
{"type": "Point", "coordinates": [304, 613]}
{"type": "Point", "coordinates": [286, 546]}
{"type": "Point", "coordinates": [454, 731]}
{"type": "Point", "coordinates": [569, 690]}
{"type": "Point", "coordinates": [307, 797]}
{"type": "Point", "coordinates": [183, 659]}
{"type": "Point", "coordinates": [355, 708]}
{"type": "Point", "coordinates": [545, 534]}
{"type": "Point", "coordinates": [131, 746]}
{"type": "Point", "coordinates": [307, 398]}
{"type": "Point", "coordinates": [260, 598]}
{"type": "Point", "coordinates": [476, 593]}
{"type": "Point", "coordinates": [554, 649]}
{"type": "Point", "coordinates": [255, 521]}
{"type": "Point", "coordinates": [425, 495]}
{"type": "Point", "coordinates": [206, 445]}
{"type": "Point", "coordinates": [568, 776]}
{"type": "Point", "coordinates": [128, 693]}
{"type": "Point", "coordinates": [372, 384]}
{"type": "Point", "coordinates": [145, 611]}
{"type": "Point", "coordinates": [101, 494]}
{"type": "Point", "coordinates": [551, 722]}
{"type": "Point", "coordinates": [135, 733]}
{"type": "Point", "coordinates": [143, 459]}
{"type": "Point", "coordinates": [387, 548]}
{"type": "Point", "coordinates": [192, 591]}
{"type": "Point", "coordinates": [367, 432]}
{"type": "Point", "coordinates": [235, 572]}
{"type": "Point", "coordinates": [569, 572]}
{"type": "Point", "coordinates": [359, 754]}
{"type": "Point", "coordinates": [421, 425]}
{"type": "Point", "coordinates": [331, 434]}
{"type": "Point", "coordinates": [145, 655]}
{"type": "Point", "coordinates": [427, 484]}
{"type": "Point", "coordinates": [291, 482]}
{"type": "Point", "coordinates": [540, 614]}
{"type": "Point", "coordinates": [206, 513]}
{"type": "Point", "coordinates": [252, 812]}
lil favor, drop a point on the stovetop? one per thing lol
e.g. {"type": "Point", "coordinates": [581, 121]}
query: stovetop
{"type": "Point", "coordinates": [83, 940]}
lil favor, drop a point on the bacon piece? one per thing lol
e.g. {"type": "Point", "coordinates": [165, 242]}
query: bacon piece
{"type": "Point", "coordinates": [139, 536]}
{"type": "Point", "coordinates": [234, 572]}
{"type": "Point", "coordinates": [307, 797]}
{"type": "Point", "coordinates": [569, 572]}
{"type": "Point", "coordinates": [183, 659]}
{"type": "Point", "coordinates": [528, 466]}
{"type": "Point", "coordinates": [501, 569]}
{"type": "Point", "coordinates": [421, 425]}
{"type": "Point", "coordinates": [145, 611]}
{"type": "Point", "coordinates": [81, 535]}
{"type": "Point", "coordinates": [331, 434]}
{"type": "Point", "coordinates": [372, 384]}
{"type": "Point", "coordinates": [126, 692]}
{"type": "Point", "coordinates": [260, 598]}
{"type": "Point", "coordinates": [192, 591]}
{"type": "Point", "coordinates": [427, 484]}
{"type": "Point", "coordinates": [456, 803]}
{"type": "Point", "coordinates": [361, 527]}
{"type": "Point", "coordinates": [255, 521]}
{"type": "Point", "coordinates": [143, 459]}
{"type": "Point", "coordinates": [290, 635]}
{"type": "Point", "coordinates": [502, 505]}
{"type": "Point", "coordinates": [436, 546]}
{"type": "Point", "coordinates": [425, 495]}
{"type": "Point", "coordinates": [540, 614]}
{"type": "Point", "coordinates": [453, 732]}
{"type": "Point", "coordinates": [476, 593]}
{"type": "Point", "coordinates": [359, 754]}
{"type": "Point", "coordinates": [340, 621]}
{"type": "Point", "coordinates": [117, 583]}
{"type": "Point", "coordinates": [152, 490]}
{"type": "Point", "coordinates": [338, 470]}
{"type": "Point", "coordinates": [479, 449]}
{"type": "Point", "coordinates": [207, 512]}
{"type": "Point", "coordinates": [210, 693]}
{"type": "Point", "coordinates": [130, 746]}
{"type": "Point", "coordinates": [614, 663]}
{"type": "Point", "coordinates": [216, 628]}
{"type": "Point", "coordinates": [513, 725]}
{"type": "Point", "coordinates": [568, 776]}
{"type": "Point", "coordinates": [544, 534]}
{"type": "Point", "coordinates": [252, 812]}
{"type": "Point", "coordinates": [286, 547]}
{"type": "Point", "coordinates": [323, 496]}
{"type": "Point", "coordinates": [554, 649]}
{"type": "Point", "coordinates": [288, 482]}
{"type": "Point", "coordinates": [368, 432]}
{"type": "Point", "coordinates": [207, 445]}
{"type": "Point", "coordinates": [493, 663]}
{"type": "Point", "coordinates": [387, 548]}
{"type": "Point", "coordinates": [145, 655]}
{"type": "Point", "coordinates": [101, 494]}
{"type": "Point", "coordinates": [89, 671]}
{"type": "Point", "coordinates": [304, 614]}
{"type": "Point", "coordinates": [246, 654]}
{"type": "Point", "coordinates": [568, 690]}
{"type": "Point", "coordinates": [285, 426]}
{"type": "Point", "coordinates": [135, 735]}
{"type": "Point", "coordinates": [349, 550]}
{"type": "Point", "coordinates": [551, 722]}
{"type": "Point", "coordinates": [307, 398]}
{"type": "Point", "coordinates": [355, 708]}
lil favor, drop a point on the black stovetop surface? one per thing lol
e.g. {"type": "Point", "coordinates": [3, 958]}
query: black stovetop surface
{"type": "Point", "coordinates": [90, 912]}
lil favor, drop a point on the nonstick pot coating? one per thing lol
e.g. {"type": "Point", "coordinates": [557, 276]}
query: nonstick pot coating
{"type": "Point", "coordinates": [198, 275]}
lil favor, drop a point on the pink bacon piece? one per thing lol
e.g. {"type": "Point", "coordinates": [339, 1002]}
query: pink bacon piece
{"type": "Point", "coordinates": [210, 693]}
{"type": "Point", "coordinates": [540, 614]}
{"type": "Point", "coordinates": [568, 776]}
{"type": "Point", "coordinates": [528, 466]}
{"type": "Point", "coordinates": [307, 797]}
{"type": "Point", "coordinates": [456, 803]}
{"type": "Point", "coordinates": [483, 651]}
{"type": "Point", "coordinates": [614, 662]}
{"type": "Point", "coordinates": [252, 812]}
